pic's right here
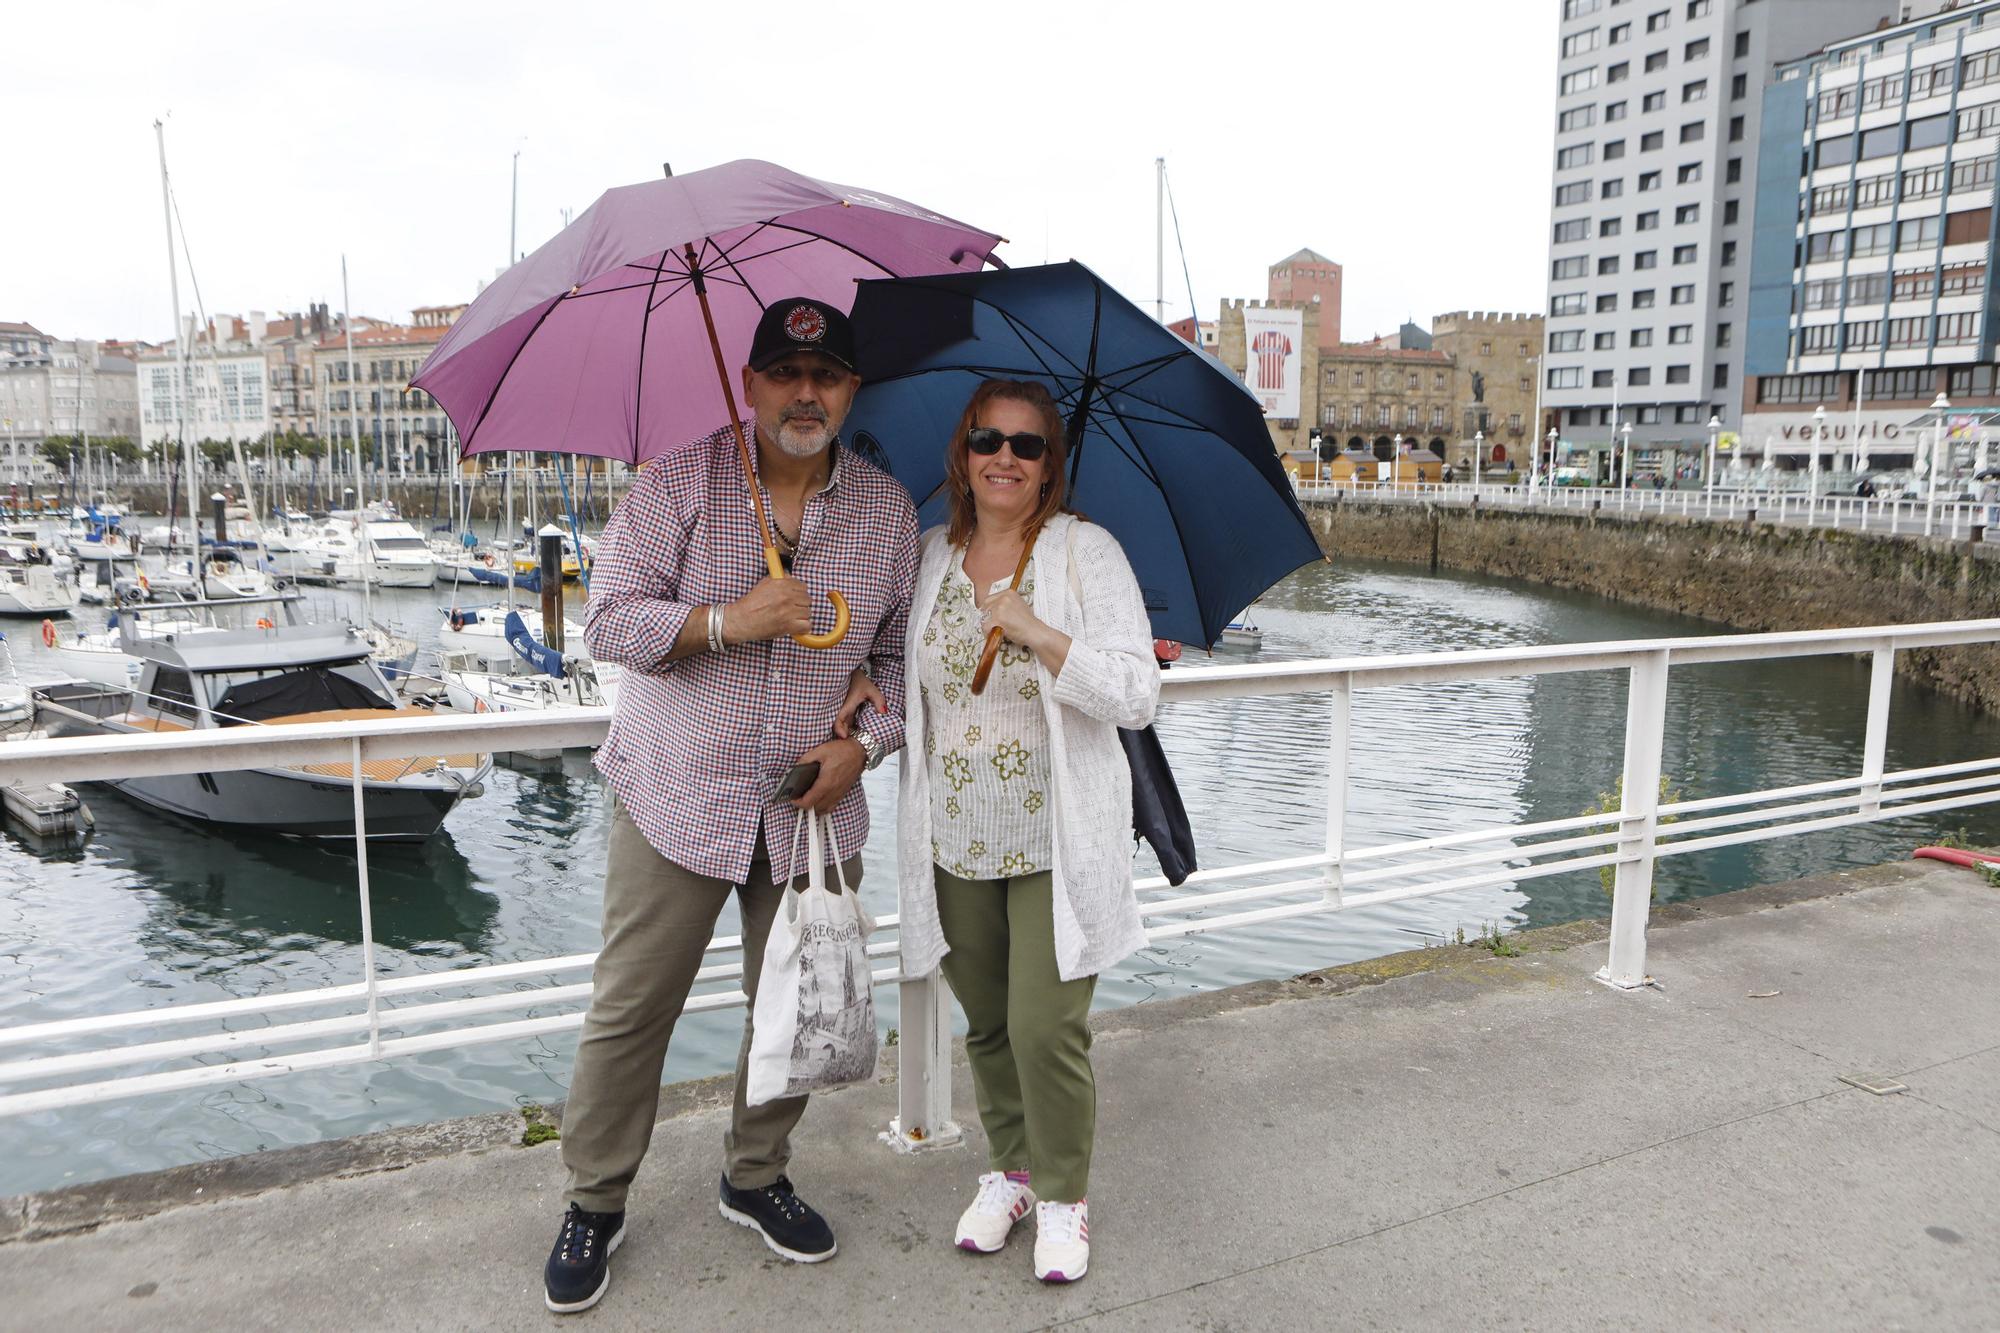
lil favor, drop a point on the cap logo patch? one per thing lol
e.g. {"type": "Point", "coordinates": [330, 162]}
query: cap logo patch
{"type": "Point", "coordinates": [805, 324]}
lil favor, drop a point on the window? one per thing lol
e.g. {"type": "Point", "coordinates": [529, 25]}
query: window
{"type": "Point", "coordinates": [1728, 254]}
{"type": "Point", "coordinates": [1885, 385]}
{"type": "Point", "coordinates": [1578, 81]}
{"type": "Point", "coordinates": [1617, 73]}
{"type": "Point", "coordinates": [1729, 213]}
{"type": "Point", "coordinates": [1695, 50]}
{"type": "Point", "coordinates": [1354, 417]}
{"type": "Point", "coordinates": [1687, 213]}
{"type": "Point", "coordinates": [1915, 286]}
{"type": "Point", "coordinates": [1696, 91]}
{"type": "Point", "coordinates": [1437, 377]}
{"type": "Point", "coordinates": [1817, 339]}
{"type": "Point", "coordinates": [1579, 43]}
{"type": "Point", "coordinates": [1799, 388]}
{"type": "Point", "coordinates": [1722, 377]}
{"type": "Point", "coordinates": [1885, 91]}
{"type": "Point", "coordinates": [1917, 233]}
{"type": "Point", "coordinates": [1613, 149]}
{"type": "Point", "coordinates": [1610, 226]}
{"type": "Point", "coordinates": [1690, 171]}
{"type": "Point", "coordinates": [1972, 174]}
{"type": "Point", "coordinates": [1965, 382]}
{"type": "Point", "coordinates": [1360, 379]}
{"type": "Point", "coordinates": [1697, 9]}
{"type": "Point", "coordinates": [1653, 141]}
{"type": "Point", "coordinates": [1653, 101]}
{"type": "Point", "coordinates": [1834, 152]}
{"type": "Point", "coordinates": [1742, 45]}
{"type": "Point", "coordinates": [1642, 300]}
{"type": "Point", "coordinates": [1611, 189]}
{"type": "Point", "coordinates": [1576, 229]}
{"type": "Point", "coordinates": [1437, 417]}
{"type": "Point", "coordinates": [1739, 87]}
{"type": "Point", "coordinates": [1684, 254]}
{"type": "Point", "coordinates": [1979, 121]}
{"type": "Point", "coordinates": [1836, 102]}
{"type": "Point", "coordinates": [1638, 375]}
{"type": "Point", "coordinates": [1821, 293]}
{"type": "Point", "coordinates": [1601, 379]}
{"type": "Point", "coordinates": [1576, 9]}
{"type": "Point", "coordinates": [1640, 338]}
{"type": "Point", "coordinates": [1613, 111]}
{"type": "Point", "coordinates": [1656, 22]}
{"type": "Point", "coordinates": [1576, 266]}
{"type": "Point", "coordinates": [1648, 221]}
{"type": "Point", "coordinates": [1576, 118]}
{"type": "Point", "coordinates": [1607, 303]}
{"type": "Point", "coordinates": [1958, 330]}
{"type": "Point", "coordinates": [1679, 335]}
{"type": "Point", "coordinates": [1867, 288]}
{"type": "Point", "coordinates": [1882, 141]}
{"type": "Point", "coordinates": [1603, 342]}
{"type": "Point", "coordinates": [1565, 377]}
{"type": "Point", "coordinates": [1918, 183]}
{"type": "Point", "coordinates": [1620, 34]}
{"type": "Point", "coordinates": [1677, 374]}
{"type": "Point", "coordinates": [1977, 69]}
{"type": "Point", "coordinates": [1725, 295]}
{"type": "Point", "coordinates": [1576, 155]}
{"type": "Point", "coordinates": [1864, 241]}
{"type": "Point", "coordinates": [1722, 335]}
{"type": "Point", "coordinates": [1656, 62]}
{"type": "Point", "coordinates": [1932, 80]}
{"type": "Point", "coordinates": [1694, 131]}
{"type": "Point", "coordinates": [1736, 129]}
{"type": "Point", "coordinates": [1576, 192]}
{"type": "Point", "coordinates": [1913, 331]}
{"type": "Point", "coordinates": [1683, 295]}
{"type": "Point", "coordinates": [1649, 180]}
{"type": "Point", "coordinates": [1927, 133]}
{"type": "Point", "coordinates": [1646, 259]}
{"type": "Point", "coordinates": [1608, 264]}
{"type": "Point", "coordinates": [1823, 245]}
{"type": "Point", "coordinates": [1968, 227]}
{"type": "Point", "coordinates": [1963, 280]}
{"type": "Point", "coordinates": [1569, 303]}
{"type": "Point", "coordinates": [1862, 334]}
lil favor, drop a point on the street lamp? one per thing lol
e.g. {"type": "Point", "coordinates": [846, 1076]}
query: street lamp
{"type": "Point", "coordinates": [1812, 473]}
{"type": "Point", "coordinates": [1714, 429]}
{"type": "Point", "coordinates": [1940, 406]}
{"type": "Point", "coordinates": [1553, 439]}
{"type": "Point", "coordinates": [1396, 460]}
{"type": "Point", "coordinates": [1478, 448]}
{"type": "Point", "coordinates": [1625, 459]}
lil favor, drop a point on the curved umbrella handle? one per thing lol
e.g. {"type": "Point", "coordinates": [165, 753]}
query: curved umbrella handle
{"type": "Point", "coordinates": [842, 618]}
{"type": "Point", "coordinates": [986, 659]}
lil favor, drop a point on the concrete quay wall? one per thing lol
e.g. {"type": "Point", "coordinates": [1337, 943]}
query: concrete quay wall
{"type": "Point", "coordinates": [1752, 577]}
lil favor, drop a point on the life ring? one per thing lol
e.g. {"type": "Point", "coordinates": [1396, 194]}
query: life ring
{"type": "Point", "coordinates": [490, 561]}
{"type": "Point", "coordinates": [264, 622]}
{"type": "Point", "coordinates": [458, 620]}
{"type": "Point", "coordinates": [478, 704]}
{"type": "Point", "coordinates": [48, 634]}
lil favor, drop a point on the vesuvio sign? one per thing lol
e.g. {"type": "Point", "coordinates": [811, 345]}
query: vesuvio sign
{"type": "Point", "coordinates": [1792, 432]}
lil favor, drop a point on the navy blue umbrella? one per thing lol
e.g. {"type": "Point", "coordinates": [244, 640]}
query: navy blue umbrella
{"type": "Point", "coordinates": [1167, 448]}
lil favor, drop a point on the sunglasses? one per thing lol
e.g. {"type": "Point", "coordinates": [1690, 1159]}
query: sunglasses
{"type": "Point", "coordinates": [986, 440]}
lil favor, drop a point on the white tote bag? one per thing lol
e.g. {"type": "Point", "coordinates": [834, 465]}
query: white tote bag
{"type": "Point", "coordinates": [814, 1024]}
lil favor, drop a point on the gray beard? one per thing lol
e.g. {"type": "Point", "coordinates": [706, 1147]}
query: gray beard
{"type": "Point", "coordinates": [787, 440]}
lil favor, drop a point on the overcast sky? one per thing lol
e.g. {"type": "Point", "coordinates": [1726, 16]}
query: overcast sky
{"type": "Point", "coordinates": [1411, 143]}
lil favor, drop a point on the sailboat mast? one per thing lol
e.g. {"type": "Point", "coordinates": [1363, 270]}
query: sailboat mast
{"type": "Point", "coordinates": [1160, 239]}
{"type": "Point", "coordinates": [180, 345]}
{"type": "Point", "coordinates": [364, 558]}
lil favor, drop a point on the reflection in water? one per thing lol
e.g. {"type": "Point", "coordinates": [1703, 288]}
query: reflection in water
{"type": "Point", "coordinates": [151, 911]}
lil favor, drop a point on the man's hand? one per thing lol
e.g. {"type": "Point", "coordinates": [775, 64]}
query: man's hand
{"type": "Point", "coordinates": [771, 610]}
{"type": "Point", "coordinates": [861, 688]}
{"type": "Point", "coordinates": [840, 764]}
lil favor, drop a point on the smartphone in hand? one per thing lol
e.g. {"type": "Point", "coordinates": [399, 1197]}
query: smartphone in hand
{"type": "Point", "coordinates": [798, 781]}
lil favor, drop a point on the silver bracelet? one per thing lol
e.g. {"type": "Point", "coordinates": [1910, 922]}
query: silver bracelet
{"type": "Point", "coordinates": [715, 643]}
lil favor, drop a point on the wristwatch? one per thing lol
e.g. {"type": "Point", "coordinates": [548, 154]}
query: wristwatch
{"type": "Point", "coordinates": [870, 747]}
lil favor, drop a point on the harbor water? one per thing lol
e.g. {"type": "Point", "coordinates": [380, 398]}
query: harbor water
{"type": "Point", "coordinates": [149, 911]}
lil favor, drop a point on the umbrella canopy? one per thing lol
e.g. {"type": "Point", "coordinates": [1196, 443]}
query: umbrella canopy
{"type": "Point", "coordinates": [1167, 448]}
{"type": "Point", "coordinates": [596, 344]}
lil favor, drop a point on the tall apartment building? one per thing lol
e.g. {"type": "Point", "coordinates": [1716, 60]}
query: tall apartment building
{"type": "Point", "coordinates": [1876, 231]}
{"type": "Point", "coordinates": [403, 428]}
{"type": "Point", "coordinates": [1658, 122]}
{"type": "Point", "coordinates": [218, 393]}
{"type": "Point", "coordinates": [59, 386]}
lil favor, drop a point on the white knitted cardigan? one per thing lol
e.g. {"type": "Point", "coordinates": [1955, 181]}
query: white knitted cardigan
{"type": "Point", "coordinates": [1110, 679]}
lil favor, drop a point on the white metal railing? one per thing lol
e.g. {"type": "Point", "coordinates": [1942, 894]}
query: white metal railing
{"type": "Point", "coordinates": [1952, 519]}
{"type": "Point", "coordinates": [377, 1017]}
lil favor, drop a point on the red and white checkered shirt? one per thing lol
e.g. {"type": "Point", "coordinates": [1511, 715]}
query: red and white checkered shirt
{"type": "Point", "coordinates": [698, 747]}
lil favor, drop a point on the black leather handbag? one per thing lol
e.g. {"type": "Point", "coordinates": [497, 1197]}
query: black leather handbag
{"type": "Point", "coordinates": [1157, 813]}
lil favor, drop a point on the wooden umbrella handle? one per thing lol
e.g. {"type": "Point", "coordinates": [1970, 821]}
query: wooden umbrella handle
{"type": "Point", "coordinates": [841, 617]}
{"type": "Point", "coordinates": [984, 671]}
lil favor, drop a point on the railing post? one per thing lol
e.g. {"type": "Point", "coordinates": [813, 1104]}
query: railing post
{"type": "Point", "coordinates": [1632, 885]}
{"type": "Point", "coordinates": [1875, 744]}
{"type": "Point", "coordinates": [923, 1067]}
{"type": "Point", "coordinates": [1336, 787]}
{"type": "Point", "coordinates": [367, 914]}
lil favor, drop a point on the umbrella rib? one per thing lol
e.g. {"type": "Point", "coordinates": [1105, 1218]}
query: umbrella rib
{"type": "Point", "coordinates": [639, 390]}
{"type": "Point", "coordinates": [670, 290]}
{"type": "Point", "coordinates": [502, 378]}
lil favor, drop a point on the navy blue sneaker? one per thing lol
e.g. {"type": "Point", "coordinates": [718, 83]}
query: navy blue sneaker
{"type": "Point", "coordinates": [579, 1267]}
{"type": "Point", "coordinates": [788, 1224]}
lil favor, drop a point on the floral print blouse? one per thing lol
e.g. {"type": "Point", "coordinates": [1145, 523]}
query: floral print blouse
{"type": "Point", "coordinates": [989, 753]}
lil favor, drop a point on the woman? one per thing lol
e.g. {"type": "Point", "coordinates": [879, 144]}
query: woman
{"type": "Point", "coordinates": [1015, 831]}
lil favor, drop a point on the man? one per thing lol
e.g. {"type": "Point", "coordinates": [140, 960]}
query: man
{"type": "Point", "coordinates": [716, 705]}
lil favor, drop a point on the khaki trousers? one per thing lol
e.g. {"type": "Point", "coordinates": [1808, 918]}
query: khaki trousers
{"type": "Point", "coordinates": [658, 919]}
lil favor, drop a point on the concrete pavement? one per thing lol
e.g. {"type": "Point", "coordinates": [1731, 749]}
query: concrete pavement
{"type": "Point", "coordinates": [1439, 1139]}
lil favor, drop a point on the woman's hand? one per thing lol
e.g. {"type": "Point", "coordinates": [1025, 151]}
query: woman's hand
{"type": "Point", "coordinates": [861, 688]}
{"type": "Point", "coordinates": [1008, 612]}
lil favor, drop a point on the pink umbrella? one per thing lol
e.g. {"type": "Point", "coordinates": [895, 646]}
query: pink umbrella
{"type": "Point", "coordinates": [594, 344]}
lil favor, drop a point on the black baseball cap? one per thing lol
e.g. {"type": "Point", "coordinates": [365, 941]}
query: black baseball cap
{"type": "Point", "coordinates": [801, 324]}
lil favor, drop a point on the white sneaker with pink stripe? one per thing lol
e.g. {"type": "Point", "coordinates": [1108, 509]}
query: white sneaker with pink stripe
{"type": "Point", "coordinates": [1002, 1202]}
{"type": "Point", "coordinates": [1062, 1240]}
